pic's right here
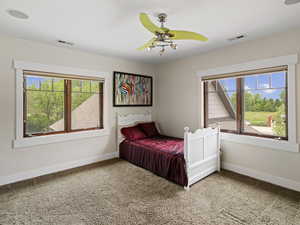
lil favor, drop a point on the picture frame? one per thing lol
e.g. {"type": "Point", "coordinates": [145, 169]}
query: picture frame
{"type": "Point", "coordinates": [132, 90]}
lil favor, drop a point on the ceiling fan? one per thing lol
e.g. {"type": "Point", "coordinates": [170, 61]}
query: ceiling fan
{"type": "Point", "coordinates": [164, 37]}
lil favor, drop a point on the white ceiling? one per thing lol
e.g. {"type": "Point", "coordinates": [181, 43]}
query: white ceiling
{"type": "Point", "coordinates": [111, 27]}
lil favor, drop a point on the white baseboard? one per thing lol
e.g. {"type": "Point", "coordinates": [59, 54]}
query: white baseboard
{"type": "Point", "coordinates": [280, 181]}
{"type": "Point", "coordinates": [55, 168]}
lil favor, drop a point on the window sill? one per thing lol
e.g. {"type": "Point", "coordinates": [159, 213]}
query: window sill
{"type": "Point", "coordinates": [281, 145]}
{"type": "Point", "coordinates": [55, 138]}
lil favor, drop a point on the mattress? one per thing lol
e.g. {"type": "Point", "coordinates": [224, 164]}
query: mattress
{"type": "Point", "coordinates": [161, 155]}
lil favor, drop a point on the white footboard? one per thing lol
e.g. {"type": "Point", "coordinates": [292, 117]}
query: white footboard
{"type": "Point", "coordinates": [201, 153]}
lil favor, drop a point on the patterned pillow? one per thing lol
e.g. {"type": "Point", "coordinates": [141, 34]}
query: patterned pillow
{"type": "Point", "coordinates": [149, 129]}
{"type": "Point", "coordinates": [133, 133]}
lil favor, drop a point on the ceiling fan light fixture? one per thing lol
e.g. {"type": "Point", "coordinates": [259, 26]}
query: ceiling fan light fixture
{"type": "Point", "coordinates": [162, 51]}
{"type": "Point", "coordinates": [291, 2]}
{"type": "Point", "coordinates": [174, 46]}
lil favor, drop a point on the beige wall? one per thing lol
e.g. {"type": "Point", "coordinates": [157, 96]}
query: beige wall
{"type": "Point", "coordinates": [179, 102]}
{"type": "Point", "coordinates": [13, 161]}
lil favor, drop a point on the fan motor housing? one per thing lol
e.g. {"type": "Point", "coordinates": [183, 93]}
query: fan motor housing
{"type": "Point", "coordinates": [162, 17]}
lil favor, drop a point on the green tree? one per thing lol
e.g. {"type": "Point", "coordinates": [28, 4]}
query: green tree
{"type": "Point", "coordinates": [279, 120]}
{"type": "Point", "coordinates": [277, 103]}
{"type": "Point", "coordinates": [249, 102]}
{"type": "Point", "coordinates": [45, 105]}
{"type": "Point", "coordinates": [233, 100]}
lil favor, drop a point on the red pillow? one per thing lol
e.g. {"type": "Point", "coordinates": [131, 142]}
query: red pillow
{"type": "Point", "coordinates": [133, 133]}
{"type": "Point", "coordinates": [149, 129]}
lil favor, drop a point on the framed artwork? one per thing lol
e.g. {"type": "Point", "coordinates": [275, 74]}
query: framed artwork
{"type": "Point", "coordinates": [132, 90]}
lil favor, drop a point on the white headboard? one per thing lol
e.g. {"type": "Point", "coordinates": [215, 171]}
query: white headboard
{"type": "Point", "coordinates": [128, 121]}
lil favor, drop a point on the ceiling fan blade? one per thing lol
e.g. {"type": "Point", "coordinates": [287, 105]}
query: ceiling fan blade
{"type": "Point", "coordinates": [187, 35]}
{"type": "Point", "coordinates": [147, 23]}
{"type": "Point", "coordinates": [148, 44]}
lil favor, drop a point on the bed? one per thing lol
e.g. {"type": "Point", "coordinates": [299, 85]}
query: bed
{"type": "Point", "coordinates": [183, 161]}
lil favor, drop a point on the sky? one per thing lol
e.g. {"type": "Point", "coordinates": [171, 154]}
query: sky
{"type": "Point", "coordinates": [34, 80]}
{"type": "Point", "coordinates": [259, 84]}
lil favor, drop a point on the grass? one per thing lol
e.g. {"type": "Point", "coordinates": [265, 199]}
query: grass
{"type": "Point", "coordinates": [258, 118]}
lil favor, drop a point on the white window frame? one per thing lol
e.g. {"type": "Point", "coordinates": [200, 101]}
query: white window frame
{"type": "Point", "coordinates": [20, 141]}
{"type": "Point", "coordinates": [289, 145]}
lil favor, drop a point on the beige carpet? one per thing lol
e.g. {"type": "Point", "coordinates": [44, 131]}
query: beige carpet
{"type": "Point", "coordinates": [116, 192]}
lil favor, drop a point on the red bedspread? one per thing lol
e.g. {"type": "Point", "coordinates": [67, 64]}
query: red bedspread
{"type": "Point", "coordinates": [161, 155]}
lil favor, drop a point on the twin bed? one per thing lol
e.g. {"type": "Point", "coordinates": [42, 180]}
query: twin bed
{"type": "Point", "coordinates": [183, 161]}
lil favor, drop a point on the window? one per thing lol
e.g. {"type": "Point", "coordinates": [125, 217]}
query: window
{"type": "Point", "coordinates": [249, 103]}
{"type": "Point", "coordinates": [55, 104]}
